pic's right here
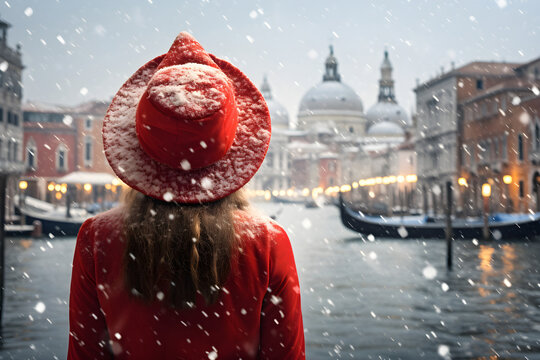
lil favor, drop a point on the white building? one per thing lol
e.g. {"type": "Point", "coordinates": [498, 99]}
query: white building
{"type": "Point", "coordinates": [11, 120]}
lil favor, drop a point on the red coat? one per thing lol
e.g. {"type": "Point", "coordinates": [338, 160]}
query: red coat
{"type": "Point", "coordinates": [257, 317]}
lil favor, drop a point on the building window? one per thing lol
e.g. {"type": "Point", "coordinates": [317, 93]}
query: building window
{"type": "Point", "coordinates": [31, 155]}
{"type": "Point", "coordinates": [520, 147]}
{"type": "Point", "coordinates": [61, 158]}
{"type": "Point", "coordinates": [9, 150]}
{"type": "Point", "coordinates": [270, 160]}
{"type": "Point", "coordinates": [9, 117]}
{"type": "Point", "coordinates": [88, 124]}
{"type": "Point", "coordinates": [504, 147]}
{"type": "Point", "coordinates": [521, 189]}
{"type": "Point", "coordinates": [536, 73]}
{"type": "Point", "coordinates": [503, 103]}
{"type": "Point", "coordinates": [479, 84]}
{"type": "Point", "coordinates": [331, 167]}
{"type": "Point", "coordinates": [351, 130]}
{"type": "Point", "coordinates": [434, 160]}
{"type": "Point", "coordinates": [30, 159]}
{"type": "Point", "coordinates": [483, 109]}
{"type": "Point", "coordinates": [536, 136]}
{"type": "Point", "coordinates": [87, 151]}
{"type": "Point", "coordinates": [1, 114]}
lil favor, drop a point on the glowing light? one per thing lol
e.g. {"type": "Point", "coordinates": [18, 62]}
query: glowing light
{"type": "Point", "coordinates": [392, 179]}
{"type": "Point", "coordinates": [345, 188]}
{"type": "Point", "coordinates": [282, 193]}
{"type": "Point", "coordinates": [50, 187]}
{"type": "Point", "coordinates": [507, 179]}
{"type": "Point", "coordinates": [116, 182]}
{"type": "Point", "coordinates": [23, 185]}
{"type": "Point", "coordinates": [108, 187]}
{"type": "Point", "coordinates": [355, 185]}
{"type": "Point", "coordinates": [275, 193]}
{"type": "Point", "coordinates": [486, 190]}
{"type": "Point", "coordinates": [290, 192]}
{"type": "Point", "coordinates": [400, 178]}
{"type": "Point", "coordinates": [378, 180]}
{"type": "Point", "coordinates": [267, 195]}
{"type": "Point", "coordinates": [412, 178]}
{"type": "Point", "coordinates": [305, 192]}
{"type": "Point", "coordinates": [87, 187]}
{"type": "Point", "coordinates": [58, 195]}
{"type": "Point", "coordinates": [63, 188]}
{"type": "Point", "coordinates": [371, 194]}
{"type": "Point", "coordinates": [462, 181]}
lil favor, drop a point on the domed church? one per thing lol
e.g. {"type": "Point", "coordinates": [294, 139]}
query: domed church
{"type": "Point", "coordinates": [332, 105]}
{"type": "Point", "coordinates": [275, 172]}
{"type": "Point", "coordinates": [387, 109]}
{"type": "Point", "coordinates": [387, 122]}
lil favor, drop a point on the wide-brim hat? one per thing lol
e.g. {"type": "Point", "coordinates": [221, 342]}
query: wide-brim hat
{"type": "Point", "coordinates": [187, 127]}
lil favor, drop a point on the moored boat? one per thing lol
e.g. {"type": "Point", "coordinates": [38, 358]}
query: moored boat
{"type": "Point", "coordinates": [501, 226]}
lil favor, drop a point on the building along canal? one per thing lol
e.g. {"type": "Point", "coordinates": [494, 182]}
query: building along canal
{"type": "Point", "coordinates": [362, 297]}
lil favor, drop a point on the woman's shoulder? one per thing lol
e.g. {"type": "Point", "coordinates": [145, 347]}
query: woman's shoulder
{"type": "Point", "coordinates": [251, 224]}
{"type": "Point", "coordinates": [108, 222]}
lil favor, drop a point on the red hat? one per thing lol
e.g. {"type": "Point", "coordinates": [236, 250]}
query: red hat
{"type": "Point", "coordinates": [187, 127]}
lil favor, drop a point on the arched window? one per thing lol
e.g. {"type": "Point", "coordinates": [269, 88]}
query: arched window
{"type": "Point", "coordinates": [88, 151]}
{"type": "Point", "coordinates": [61, 158]}
{"type": "Point", "coordinates": [504, 147]}
{"type": "Point", "coordinates": [536, 136]}
{"type": "Point", "coordinates": [31, 155]}
{"type": "Point", "coordinates": [520, 147]}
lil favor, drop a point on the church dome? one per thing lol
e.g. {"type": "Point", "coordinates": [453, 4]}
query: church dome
{"type": "Point", "coordinates": [278, 113]}
{"type": "Point", "coordinates": [385, 129]}
{"type": "Point", "coordinates": [387, 111]}
{"type": "Point", "coordinates": [330, 96]}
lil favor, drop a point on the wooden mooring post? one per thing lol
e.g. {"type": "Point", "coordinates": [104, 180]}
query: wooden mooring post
{"type": "Point", "coordinates": [3, 184]}
{"type": "Point", "coordinates": [449, 232]}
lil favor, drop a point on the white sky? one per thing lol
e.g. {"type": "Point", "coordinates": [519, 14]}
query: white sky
{"type": "Point", "coordinates": [96, 45]}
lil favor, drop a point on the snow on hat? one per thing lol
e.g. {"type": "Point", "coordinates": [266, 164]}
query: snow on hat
{"type": "Point", "coordinates": [187, 127]}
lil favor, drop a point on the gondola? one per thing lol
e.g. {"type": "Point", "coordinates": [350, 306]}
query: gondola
{"type": "Point", "coordinates": [55, 224]}
{"type": "Point", "coordinates": [501, 226]}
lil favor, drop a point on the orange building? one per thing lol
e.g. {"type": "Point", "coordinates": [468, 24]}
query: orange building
{"type": "Point", "coordinates": [61, 140]}
{"type": "Point", "coordinates": [501, 144]}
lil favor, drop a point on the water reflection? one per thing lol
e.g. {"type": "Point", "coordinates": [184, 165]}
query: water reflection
{"type": "Point", "coordinates": [363, 298]}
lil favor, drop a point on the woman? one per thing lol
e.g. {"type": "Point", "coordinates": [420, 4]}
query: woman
{"type": "Point", "coordinates": [182, 270]}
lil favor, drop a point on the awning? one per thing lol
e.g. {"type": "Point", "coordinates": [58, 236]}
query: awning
{"type": "Point", "coordinates": [84, 177]}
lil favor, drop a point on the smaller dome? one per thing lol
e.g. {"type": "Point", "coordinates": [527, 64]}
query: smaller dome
{"type": "Point", "coordinates": [278, 114]}
{"type": "Point", "coordinates": [385, 129]}
{"type": "Point", "coordinates": [387, 111]}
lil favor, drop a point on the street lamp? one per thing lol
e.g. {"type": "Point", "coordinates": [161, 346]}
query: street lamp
{"type": "Point", "coordinates": [23, 185]}
{"type": "Point", "coordinates": [507, 180]}
{"type": "Point", "coordinates": [486, 193]}
{"type": "Point", "coordinates": [462, 181]}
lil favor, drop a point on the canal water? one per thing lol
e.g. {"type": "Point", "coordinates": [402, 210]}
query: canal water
{"type": "Point", "coordinates": [362, 297]}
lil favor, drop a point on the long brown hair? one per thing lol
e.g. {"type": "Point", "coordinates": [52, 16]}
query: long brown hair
{"type": "Point", "coordinates": [175, 251]}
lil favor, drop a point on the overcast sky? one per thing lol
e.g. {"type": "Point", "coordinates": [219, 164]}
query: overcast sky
{"type": "Point", "coordinates": [76, 51]}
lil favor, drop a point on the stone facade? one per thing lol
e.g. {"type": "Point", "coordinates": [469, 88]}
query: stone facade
{"type": "Point", "coordinates": [11, 130]}
{"type": "Point", "coordinates": [439, 123]}
{"type": "Point", "coordinates": [501, 137]}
